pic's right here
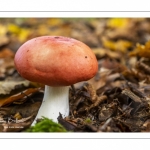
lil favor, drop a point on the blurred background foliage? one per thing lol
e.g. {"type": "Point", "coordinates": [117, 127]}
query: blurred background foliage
{"type": "Point", "coordinates": [113, 33]}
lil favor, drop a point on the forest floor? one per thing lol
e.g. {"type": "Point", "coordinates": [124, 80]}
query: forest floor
{"type": "Point", "coordinates": [116, 99]}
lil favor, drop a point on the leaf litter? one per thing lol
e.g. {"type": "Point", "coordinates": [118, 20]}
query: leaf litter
{"type": "Point", "coordinates": [115, 100]}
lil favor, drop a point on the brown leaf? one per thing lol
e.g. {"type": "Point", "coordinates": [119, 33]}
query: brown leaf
{"type": "Point", "coordinates": [7, 86]}
{"type": "Point", "coordinates": [15, 125]}
{"type": "Point", "coordinates": [68, 125]}
{"type": "Point", "coordinates": [6, 52]}
{"type": "Point", "coordinates": [18, 96]}
{"type": "Point", "coordinates": [146, 125]}
{"type": "Point", "coordinates": [4, 40]}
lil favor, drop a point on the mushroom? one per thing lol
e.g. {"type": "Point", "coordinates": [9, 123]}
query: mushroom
{"type": "Point", "coordinates": [57, 62]}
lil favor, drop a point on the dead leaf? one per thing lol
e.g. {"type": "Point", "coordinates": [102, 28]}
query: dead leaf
{"type": "Point", "coordinates": [6, 52]}
{"type": "Point", "coordinates": [7, 86]}
{"type": "Point", "coordinates": [4, 40]}
{"type": "Point", "coordinates": [101, 52]}
{"type": "Point", "coordinates": [120, 45]}
{"type": "Point", "coordinates": [16, 125]}
{"type": "Point", "coordinates": [141, 50]}
{"type": "Point", "coordinates": [18, 96]}
{"type": "Point", "coordinates": [3, 30]}
{"type": "Point", "coordinates": [118, 22]}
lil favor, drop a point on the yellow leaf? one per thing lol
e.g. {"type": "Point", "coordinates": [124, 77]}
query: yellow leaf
{"type": "Point", "coordinates": [23, 35]}
{"type": "Point", "coordinates": [13, 28]}
{"type": "Point", "coordinates": [3, 30]}
{"type": "Point", "coordinates": [42, 29]}
{"type": "Point", "coordinates": [54, 21]}
{"type": "Point", "coordinates": [120, 45]}
{"type": "Point", "coordinates": [141, 50]}
{"type": "Point", "coordinates": [117, 22]}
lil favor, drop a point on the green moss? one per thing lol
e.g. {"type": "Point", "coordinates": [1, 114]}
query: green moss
{"type": "Point", "coordinates": [46, 125]}
{"type": "Point", "coordinates": [88, 120]}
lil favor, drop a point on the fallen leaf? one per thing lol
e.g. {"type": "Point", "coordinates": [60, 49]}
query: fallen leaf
{"type": "Point", "coordinates": [101, 52]}
{"type": "Point", "coordinates": [120, 45]}
{"type": "Point", "coordinates": [6, 52]}
{"type": "Point", "coordinates": [141, 50]}
{"type": "Point", "coordinates": [18, 96]}
{"type": "Point", "coordinates": [7, 86]}
{"type": "Point", "coordinates": [118, 22]}
{"type": "Point", "coordinates": [15, 125]}
{"type": "Point", "coordinates": [3, 30]}
{"type": "Point", "coordinates": [4, 40]}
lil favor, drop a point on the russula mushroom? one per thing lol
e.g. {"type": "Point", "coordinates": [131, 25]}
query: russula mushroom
{"type": "Point", "coordinates": [57, 62]}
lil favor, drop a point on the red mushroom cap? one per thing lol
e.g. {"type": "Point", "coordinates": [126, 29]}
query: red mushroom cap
{"type": "Point", "coordinates": [55, 61]}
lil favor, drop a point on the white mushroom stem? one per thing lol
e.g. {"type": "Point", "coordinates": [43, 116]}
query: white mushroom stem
{"type": "Point", "coordinates": [55, 101]}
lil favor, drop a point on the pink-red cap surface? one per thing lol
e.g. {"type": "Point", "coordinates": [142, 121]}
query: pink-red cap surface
{"type": "Point", "coordinates": [55, 61]}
